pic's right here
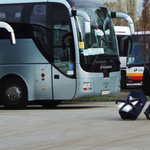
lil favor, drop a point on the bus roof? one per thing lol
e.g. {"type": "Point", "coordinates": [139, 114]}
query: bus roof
{"type": "Point", "coordinates": [142, 33]}
{"type": "Point", "coordinates": [20, 1]}
{"type": "Point", "coordinates": [122, 30]}
{"type": "Point", "coordinates": [73, 3]}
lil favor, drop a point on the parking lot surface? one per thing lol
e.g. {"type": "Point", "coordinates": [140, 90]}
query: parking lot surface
{"type": "Point", "coordinates": [72, 126]}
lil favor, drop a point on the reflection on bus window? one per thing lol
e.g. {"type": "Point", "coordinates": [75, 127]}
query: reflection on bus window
{"type": "Point", "coordinates": [63, 49]}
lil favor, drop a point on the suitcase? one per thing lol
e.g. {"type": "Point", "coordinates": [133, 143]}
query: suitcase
{"type": "Point", "coordinates": [147, 112]}
{"type": "Point", "coordinates": [131, 107]}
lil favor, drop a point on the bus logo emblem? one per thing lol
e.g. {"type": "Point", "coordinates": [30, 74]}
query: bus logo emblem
{"type": "Point", "coordinates": [105, 67]}
{"type": "Point", "coordinates": [40, 10]}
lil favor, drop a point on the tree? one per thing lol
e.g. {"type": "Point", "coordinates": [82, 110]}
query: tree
{"type": "Point", "coordinates": [131, 6]}
{"type": "Point", "coordinates": [111, 6]}
{"type": "Point", "coordinates": [125, 6]}
{"type": "Point", "coordinates": [144, 23]}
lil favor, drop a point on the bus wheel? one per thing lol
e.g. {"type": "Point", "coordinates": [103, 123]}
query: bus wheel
{"type": "Point", "coordinates": [14, 93]}
{"type": "Point", "coordinates": [123, 80]}
{"type": "Point", "coordinates": [50, 104]}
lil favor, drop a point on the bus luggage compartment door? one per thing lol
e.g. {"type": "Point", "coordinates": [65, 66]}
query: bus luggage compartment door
{"type": "Point", "coordinates": [43, 82]}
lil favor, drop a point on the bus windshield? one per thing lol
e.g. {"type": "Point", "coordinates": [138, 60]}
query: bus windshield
{"type": "Point", "coordinates": [136, 52]}
{"type": "Point", "coordinates": [100, 44]}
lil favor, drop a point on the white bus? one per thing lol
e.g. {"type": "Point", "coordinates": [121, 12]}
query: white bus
{"type": "Point", "coordinates": [122, 33]}
{"type": "Point", "coordinates": [65, 49]}
{"type": "Point", "coordinates": [138, 47]}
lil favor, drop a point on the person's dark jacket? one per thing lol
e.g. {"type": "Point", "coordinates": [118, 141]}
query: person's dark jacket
{"type": "Point", "coordinates": [146, 81]}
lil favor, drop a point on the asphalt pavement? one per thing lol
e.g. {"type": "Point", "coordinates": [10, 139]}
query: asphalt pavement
{"type": "Point", "coordinates": [74, 126]}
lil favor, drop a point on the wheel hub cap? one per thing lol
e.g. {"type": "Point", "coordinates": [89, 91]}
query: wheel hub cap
{"type": "Point", "coordinates": [13, 94]}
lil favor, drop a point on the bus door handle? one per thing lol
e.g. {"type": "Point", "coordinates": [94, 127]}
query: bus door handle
{"type": "Point", "coordinates": [56, 76]}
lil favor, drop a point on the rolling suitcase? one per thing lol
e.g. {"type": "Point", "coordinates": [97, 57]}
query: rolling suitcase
{"type": "Point", "coordinates": [131, 107]}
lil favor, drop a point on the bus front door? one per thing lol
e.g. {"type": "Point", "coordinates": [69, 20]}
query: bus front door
{"type": "Point", "coordinates": [63, 69]}
{"type": "Point", "coordinates": [63, 86]}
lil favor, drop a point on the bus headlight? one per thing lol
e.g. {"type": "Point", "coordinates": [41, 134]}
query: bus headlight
{"type": "Point", "coordinates": [87, 86]}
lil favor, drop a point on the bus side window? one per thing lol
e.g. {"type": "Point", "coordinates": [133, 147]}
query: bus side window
{"type": "Point", "coordinates": [40, 35]}
{"type": "Point", "coordinates": [62, 38]}
{"type": "Point", "coordinates": [63, 47]}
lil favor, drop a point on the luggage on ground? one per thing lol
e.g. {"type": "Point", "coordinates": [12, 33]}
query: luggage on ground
{"type": "Point", "coordinates": [131, 107]}
{"type": "Point", "coordinates": [147, 112]}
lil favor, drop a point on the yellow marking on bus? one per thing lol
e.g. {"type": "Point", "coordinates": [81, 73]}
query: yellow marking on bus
{"type": "Point", "coordinates": [134, 74]}
{"type": "Point", "coordinates": [81, 45]}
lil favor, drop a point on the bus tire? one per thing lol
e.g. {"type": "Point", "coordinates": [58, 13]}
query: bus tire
{"type": "Point", "coordinates": [123, 80]}
{"type": "Point", "coordinates": [14, 93]}
{"type": "Point", "coordinates": [50, 104]}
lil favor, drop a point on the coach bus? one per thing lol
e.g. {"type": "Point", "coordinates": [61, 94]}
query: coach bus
{"type": "Point", "coordinates": [65, 50]}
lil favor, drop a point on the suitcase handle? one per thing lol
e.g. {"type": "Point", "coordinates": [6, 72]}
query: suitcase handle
{"type": "Point", "coordinates": [128, 102]}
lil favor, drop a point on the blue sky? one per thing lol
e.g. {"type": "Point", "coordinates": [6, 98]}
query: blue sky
{"type": "Point", "coordinates": [139, 6]}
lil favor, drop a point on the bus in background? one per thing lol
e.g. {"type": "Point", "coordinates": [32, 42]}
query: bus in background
{"type": "Point", "coordinates": [135, 63]}
{"type": "Point", "coordinates": [65, 49]}
{"type": "Point", "coordinates": [122, 33]}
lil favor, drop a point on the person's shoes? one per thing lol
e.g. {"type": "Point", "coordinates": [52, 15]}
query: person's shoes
{"type": "Point", "coordinates": [147, 115]}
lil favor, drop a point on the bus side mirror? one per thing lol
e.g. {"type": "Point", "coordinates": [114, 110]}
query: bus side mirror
{"type": "Point", "coordinates": [10, 30]}
{"type": "Point", "coordinates": [87, 24]}
{"type": "Point", "coordinates": [12, 38]}
{"type": "Point", "coordinates": [126, 17]}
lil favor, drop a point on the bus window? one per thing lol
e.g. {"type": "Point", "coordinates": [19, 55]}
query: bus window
{"type": "Point", "coordinates": [64, 49]}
